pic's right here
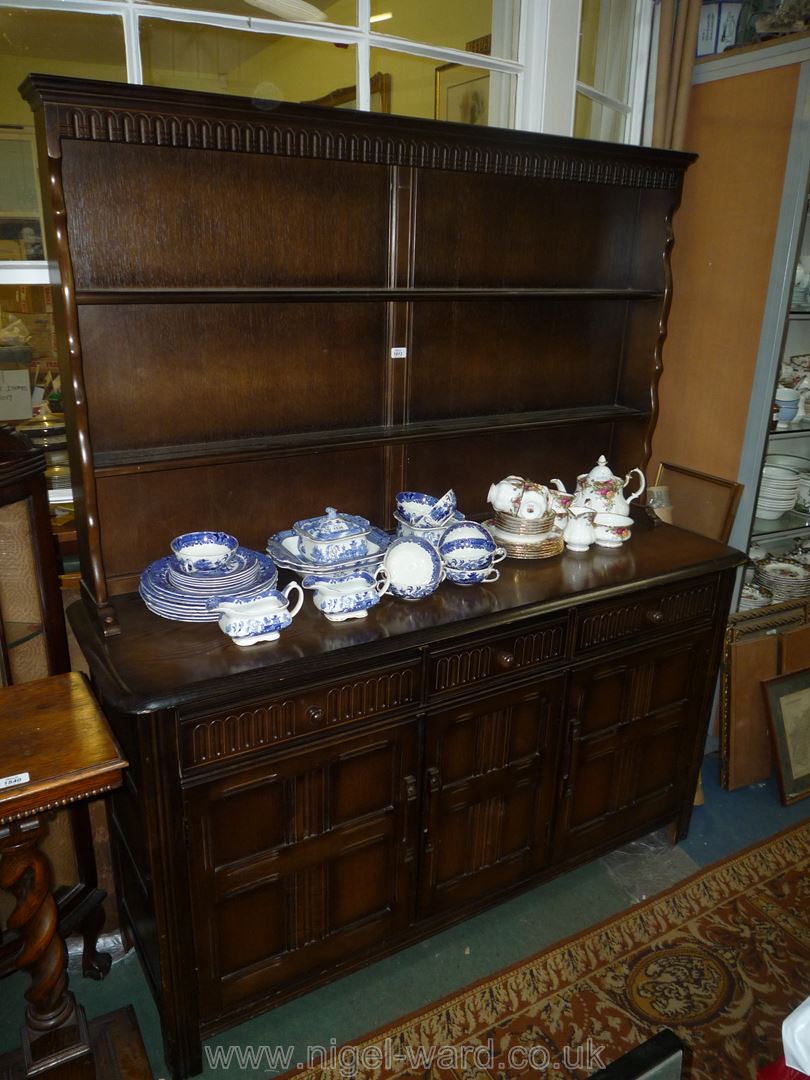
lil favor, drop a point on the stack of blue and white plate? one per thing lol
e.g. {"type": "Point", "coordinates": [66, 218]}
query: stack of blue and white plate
{"type": "Point", "coordinates": [178, 587]}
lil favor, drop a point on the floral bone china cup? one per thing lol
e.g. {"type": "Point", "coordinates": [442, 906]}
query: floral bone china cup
{"type": "Point", "coordinates": [347, 595]}
{"type": "Point", "coordinates": [522, 498]}
{"type": "Point", "coordinates": [603, 491]}
{"type": "Point", "coordinates": [256, 617]}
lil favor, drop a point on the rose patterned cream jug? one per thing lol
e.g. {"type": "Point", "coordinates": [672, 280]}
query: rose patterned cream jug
{"type": "Point", "coordinates": [603, 491]}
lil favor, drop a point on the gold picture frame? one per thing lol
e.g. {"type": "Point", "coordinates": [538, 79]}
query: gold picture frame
{"type": "Point", "coordinates": [788, 701]}
{"type": "Point", "coordinates": [701, 503]}
{"type": "Point", "coordinates": [462, 94]}
{"type": "Point", "coordinates": [345, 97]}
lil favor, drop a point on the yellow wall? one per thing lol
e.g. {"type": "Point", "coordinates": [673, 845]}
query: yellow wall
{"type": "Point", "coordinates": [721, 261]}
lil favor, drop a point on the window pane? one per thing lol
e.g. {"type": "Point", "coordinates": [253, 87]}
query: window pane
{"type": "Point", "coordinates": [55, 43]}
{"type": "Point", "coordinates": [194, 57]}
{"type": "Point", "coordinates": [605, 42]}
{"type": "Point", "coordinates": [426, 88]}
{"type": "Point", "coordinates": [343, 12]}
{"type": "Point", "coordinates": [595, 121]}
{"type": "Point", "coordinates": [486, 26]}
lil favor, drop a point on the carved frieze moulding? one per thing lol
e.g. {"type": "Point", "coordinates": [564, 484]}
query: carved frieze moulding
{"type": "Point", "coordinates": [290, 139]}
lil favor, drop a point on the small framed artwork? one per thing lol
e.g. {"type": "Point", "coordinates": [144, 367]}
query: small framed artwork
{"type": "Point", "coordinates": [462, 94]}
{"type": "Point", "coordinates": [788, 701]}
{"type": "Point", "coordinates": [346, 96]}
{"type": "Point", "coordinates": [698, 501]}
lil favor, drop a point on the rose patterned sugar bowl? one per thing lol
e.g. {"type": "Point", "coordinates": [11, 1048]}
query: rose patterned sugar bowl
{"type": "Point", "coordinates": [332, 537]}
{"type": "Point", "coordinates": [259, 616]}
{"type": "Point", "coordinates": [347, 595]}
{"type": "Point", "coordinates": [612, 530]}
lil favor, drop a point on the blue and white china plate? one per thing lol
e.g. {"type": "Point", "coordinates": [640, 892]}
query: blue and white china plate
{"type": "Point", "coordinates": [242, 569]}
{"type": "Point", "coordinates": [283, 550]}
{"type": "Point", "coordinates": [161, 596]}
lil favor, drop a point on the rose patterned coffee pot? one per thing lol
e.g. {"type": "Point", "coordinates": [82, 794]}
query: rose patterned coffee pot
{"type": "Point", "coordinates": [603, 491]}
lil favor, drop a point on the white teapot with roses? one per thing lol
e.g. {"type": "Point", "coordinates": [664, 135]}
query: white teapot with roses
{"type": "Point", "coordinates": [603, 491]}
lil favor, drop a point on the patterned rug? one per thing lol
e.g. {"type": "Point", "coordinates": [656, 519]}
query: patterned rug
{"type": "Point", "coordinates": [721, 959]}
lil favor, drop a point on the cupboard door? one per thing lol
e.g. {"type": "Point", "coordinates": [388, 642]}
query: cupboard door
{"type": "Point", "coordinates": [629, 740]}
{"type": "Point", "coordinates": [300, 863]}
{"type": "Point", "coordinates": [489, 794]}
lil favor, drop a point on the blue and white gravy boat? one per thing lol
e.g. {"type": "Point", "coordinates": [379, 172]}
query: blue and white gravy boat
{"type": "Point", "coordinates": [347, 595]}
{"type": "Point", "coordinates": [261, 616]}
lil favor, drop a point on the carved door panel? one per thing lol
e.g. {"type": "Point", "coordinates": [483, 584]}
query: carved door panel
{"type": "Point", "coordinates": [301, 862]}
{"type": "Point", "coordinates": [629, 740]}
{"type": "Point", "coordinates": [489, 793]}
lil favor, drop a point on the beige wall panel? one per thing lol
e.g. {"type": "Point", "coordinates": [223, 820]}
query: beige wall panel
{"type": "Point", "coordinates": [721, 262]}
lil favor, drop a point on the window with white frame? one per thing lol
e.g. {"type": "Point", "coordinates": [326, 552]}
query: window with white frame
{"type": "Point", "coordinates": [562, 66]}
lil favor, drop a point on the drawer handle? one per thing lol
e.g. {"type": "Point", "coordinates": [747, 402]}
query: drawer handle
{"type": "Point", "coordinates": [504, 660]}
{"type": "Point", "coordinates": [656, 616]}
{"type": "Point", "coordinates": [315, 714]}
{"type": "Point", "coordinates": [410, 788]}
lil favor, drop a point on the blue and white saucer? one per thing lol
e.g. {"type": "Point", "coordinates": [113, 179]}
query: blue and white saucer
{"type": "Point", "coordinates": [283, 549]}
{"type": "Point", "coordinates": [242, 569]}
{"type": "Point", "coordinates": [161, 596]}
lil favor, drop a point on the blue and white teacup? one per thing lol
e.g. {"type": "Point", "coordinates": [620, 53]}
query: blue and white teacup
{"type": "Point", "coordinates": [482, 576]}
{"type": "Point", "coordinates": [469, 546]}
{"type": "Point", "coordinates": [414, 568]}
{"type": "Point", "coordinates": [413, 507]}
{"type": "Point", "coordinates": [198, 551]}
{"type": "Point", "coordinates": [347, 595]}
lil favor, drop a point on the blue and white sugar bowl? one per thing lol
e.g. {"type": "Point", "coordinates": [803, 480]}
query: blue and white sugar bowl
{"type": "Point", "coordinates": [258, 616]}
{"type": "Point", "coordinates": [348, 594]}
{"type": "Point", "coordinates": [332, 537]}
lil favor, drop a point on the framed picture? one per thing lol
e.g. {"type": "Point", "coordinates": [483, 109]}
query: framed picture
{"type": "Point", "coordinates": [462, 94]}
{"type": "Point", "coordinates": [788, 701]}
{"type": "Point", "coordinates": [698, 502]}
{"type": "Point", "coordinates": [20, 237]}
{"type": "Point", "coordinates": [345, 97]}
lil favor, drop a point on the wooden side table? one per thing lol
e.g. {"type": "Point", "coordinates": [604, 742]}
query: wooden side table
{"type": "Point", "coordinates": [55, 749]}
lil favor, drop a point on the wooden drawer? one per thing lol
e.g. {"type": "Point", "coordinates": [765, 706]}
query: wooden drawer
{"type": "Point", "coordinates": [488, 660]}
{"type": "Point", "coordinates": [251, 727]}
{"type": "Point", "coordinates": [645, 613]}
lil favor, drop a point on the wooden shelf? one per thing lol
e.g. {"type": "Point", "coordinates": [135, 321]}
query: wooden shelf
{"type": "Point", "coordinates": [318, 294]}
{"type": "Point", "coordinates": [122, 462]}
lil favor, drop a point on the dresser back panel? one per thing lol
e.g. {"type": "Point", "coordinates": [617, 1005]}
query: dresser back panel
{"type": "Point", "coordinates": [142, 216]}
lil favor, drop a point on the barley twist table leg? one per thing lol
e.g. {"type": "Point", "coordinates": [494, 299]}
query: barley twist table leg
{"type": "Point", "coordinates": [25, 873]}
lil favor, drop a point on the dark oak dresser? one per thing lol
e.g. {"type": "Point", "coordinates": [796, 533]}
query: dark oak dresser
{"type": "Point", "coordinates": [273, 308]}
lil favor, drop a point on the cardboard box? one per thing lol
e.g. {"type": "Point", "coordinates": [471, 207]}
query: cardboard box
{"type": "Point", "coordinates": [15, 392]}
{"type": "Point", "coordinates": [43, 336]}
{"type": "Point", "coordinates": [26, 299]}
{"type": "Point", "coordinates": [707, 28]}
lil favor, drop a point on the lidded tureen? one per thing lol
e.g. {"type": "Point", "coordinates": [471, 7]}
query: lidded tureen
{"type": "Point", "coordinates": [332, 537]}
{"type": "Point", "coordinates": [603, 491]}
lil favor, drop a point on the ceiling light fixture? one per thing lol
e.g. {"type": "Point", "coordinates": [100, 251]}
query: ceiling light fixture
{"type": "Point", "coordinates": [382, 17]}
{"type": "Point", "coordinates": [295, 10]}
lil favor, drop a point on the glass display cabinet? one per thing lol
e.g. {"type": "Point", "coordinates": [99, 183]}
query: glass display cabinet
{"type": "Point", "coordinates": [32, 630]}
